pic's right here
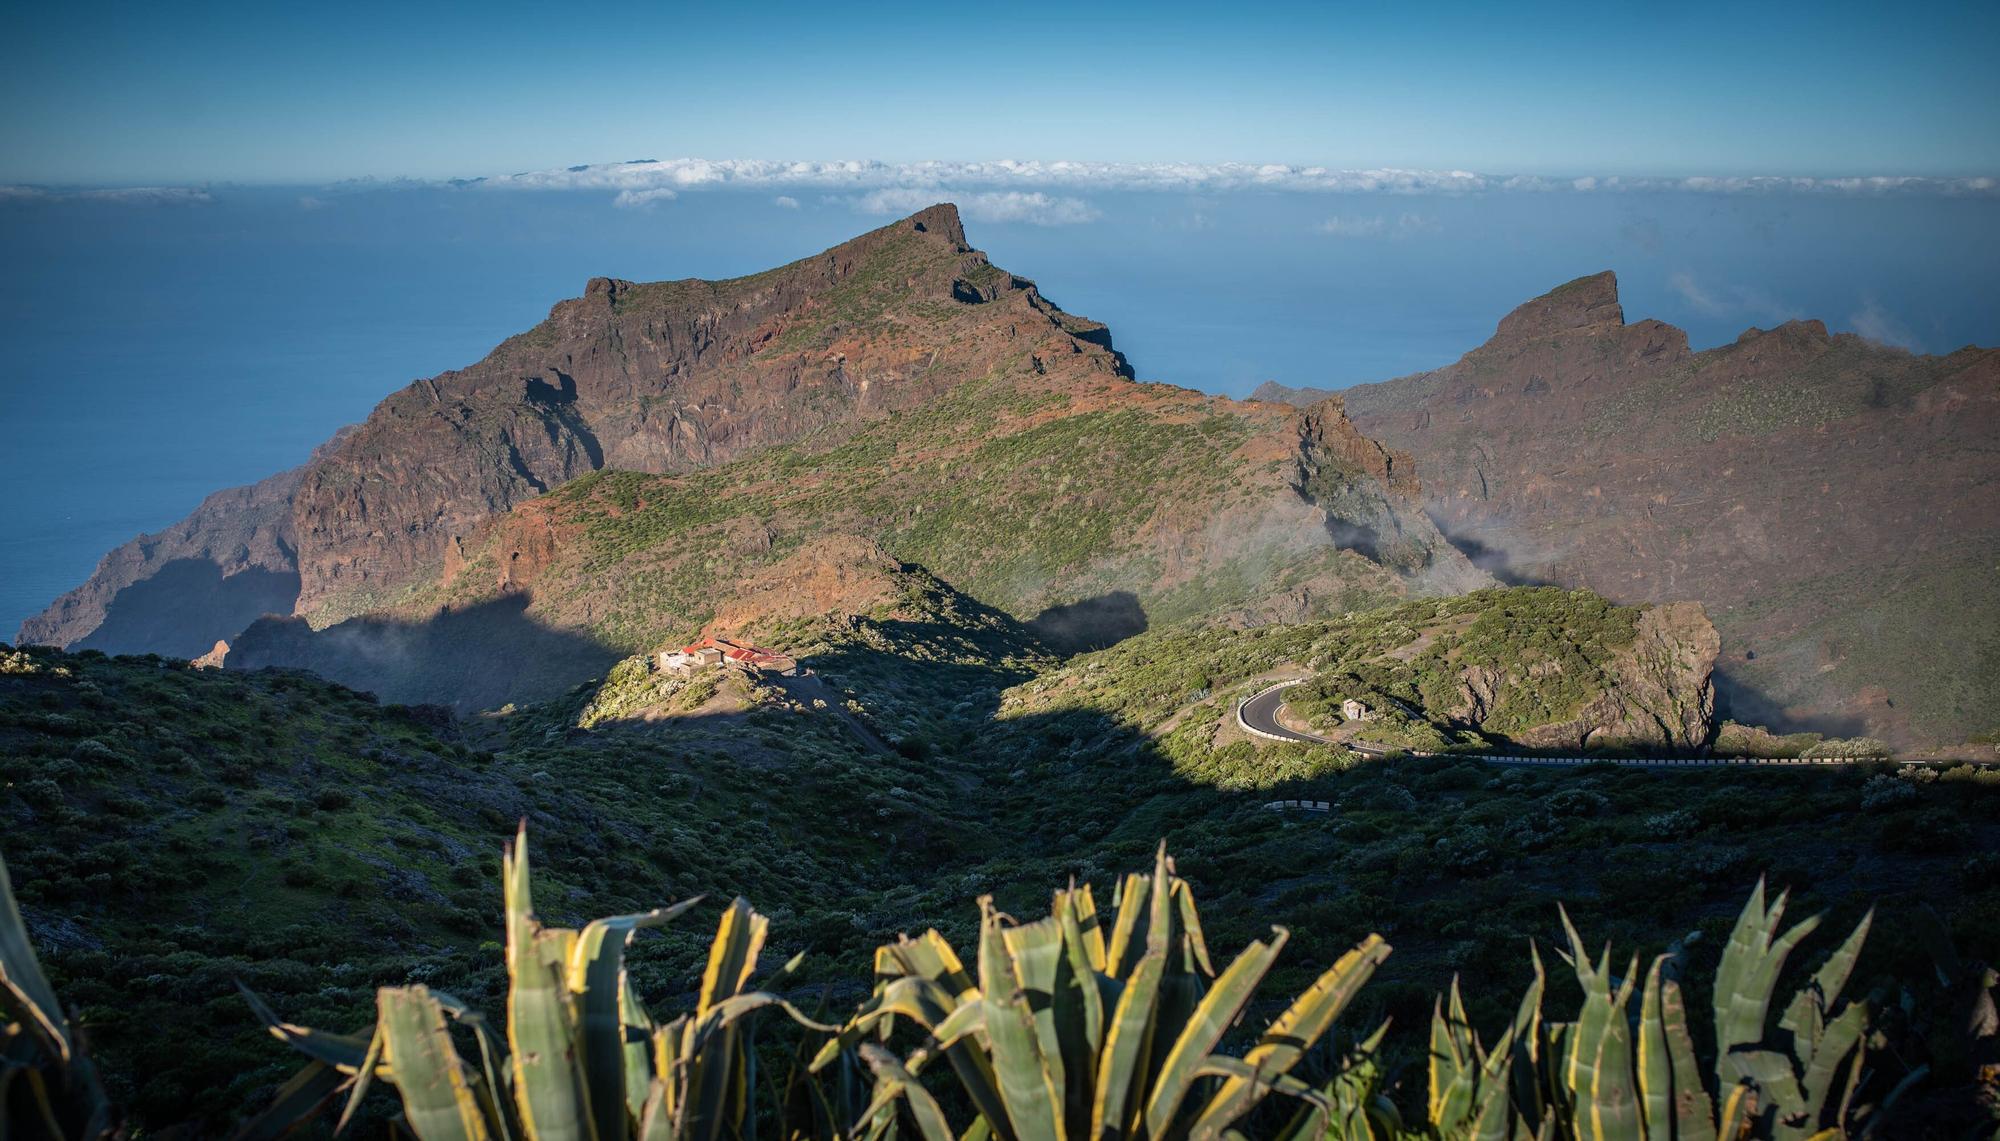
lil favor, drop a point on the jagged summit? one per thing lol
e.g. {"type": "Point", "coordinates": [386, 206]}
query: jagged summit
{"type": "Point", "coordinates": [1818, 491]}
{"type": "Point", "coordinates": [1584, 304]}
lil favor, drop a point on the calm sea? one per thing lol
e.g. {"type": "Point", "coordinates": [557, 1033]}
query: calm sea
{"type": "Point", "coordinates": [154, 353]}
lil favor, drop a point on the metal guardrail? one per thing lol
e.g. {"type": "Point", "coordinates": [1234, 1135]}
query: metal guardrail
{"type": "Point", "coordinates": [1520, 759]}
{"type": "Point", "coordinates": [1252, 729]}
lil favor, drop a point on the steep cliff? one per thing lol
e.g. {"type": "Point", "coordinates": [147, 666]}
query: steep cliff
{"type": "Point", "coordinates": [668, 377]}
{"type": "Point", "coordinates": [1089, 507]}
{"type": "Point", "coordinates": [1831, 500]}
{"type": "Point", "coordinates": [180, 590]}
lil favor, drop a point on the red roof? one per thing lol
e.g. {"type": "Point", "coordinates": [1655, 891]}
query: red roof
{"type": "Point", "coordinates": [736, 652]}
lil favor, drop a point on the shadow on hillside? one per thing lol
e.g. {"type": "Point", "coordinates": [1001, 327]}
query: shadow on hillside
{"type": "Point", "coordinates": [1493, 560]}
{"type": "Point", "coordinates": [183, 608]}
{"type": "Point", "coordinates": [479, 657]}
{"type": "Point", "coordinates": [1738, 700]}
{"type": "Point", "coordinates": [1091, 624]}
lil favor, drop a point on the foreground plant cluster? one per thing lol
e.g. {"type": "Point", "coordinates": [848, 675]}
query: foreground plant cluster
{"type": "Point", "coordinates": [1112, 1024]}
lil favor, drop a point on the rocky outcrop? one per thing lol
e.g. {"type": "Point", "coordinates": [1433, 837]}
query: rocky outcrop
{"type": "Point", "coordinates": [176, 591]}
{"type": "Point", "coordinates": [667, 377]}
{"type": "Point", "coordinates": [1829, 499]}
{"type": "Point", "coordinates": [1658, 694]}
{"type": "Point", "coordinates": [835, 574]}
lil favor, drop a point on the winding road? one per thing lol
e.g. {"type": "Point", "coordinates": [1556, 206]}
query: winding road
{"type": "Point", "coordinates": [1258, 715]}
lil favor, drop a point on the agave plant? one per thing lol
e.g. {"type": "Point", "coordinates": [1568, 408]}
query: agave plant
{"type": "Point", "coordinates": [48, 1086]}
{"type": "Point", "coordinates": [1065, 1029]}
{"type": "Point", "coordinates": [1610, 1076]}
{"type": "Point", "coordinates": [582, 1060]}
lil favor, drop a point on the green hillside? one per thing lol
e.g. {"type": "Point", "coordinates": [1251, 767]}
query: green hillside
{"type": "Point", "coordinates": [171, 830]}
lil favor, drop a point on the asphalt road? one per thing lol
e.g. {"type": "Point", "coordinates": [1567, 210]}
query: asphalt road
{"type": "Point", "coordinates": [1261, 713]}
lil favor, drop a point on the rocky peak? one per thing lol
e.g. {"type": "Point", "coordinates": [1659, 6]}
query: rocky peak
{"type": "Point", "coordinates": [1586, 304]}
{"type": "Point", "coordinates": [942, 220]}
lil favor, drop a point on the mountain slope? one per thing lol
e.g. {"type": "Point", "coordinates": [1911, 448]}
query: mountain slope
{"type": "Point", "coordinates": [660, 377]}
{"type": "Point", "coordinates": [1834, 502]}
{"type": "Point", "coordinates": [1089, 505]}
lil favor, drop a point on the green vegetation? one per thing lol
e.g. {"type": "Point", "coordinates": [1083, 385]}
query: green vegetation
{"type": "Point", "coordinates": [982, 487]}
{"type": "Point", "coordinates": [171, 830]}
{"type": "Point", "coordinates": [1080, 1024]}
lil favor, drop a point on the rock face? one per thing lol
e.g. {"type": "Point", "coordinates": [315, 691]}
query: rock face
{"type": "Point", "coordinates": [1660, 693]}
{"type": "Point", "coordinates": [659, 377]}
{"type": "Point", "coordinates": [667, 377]}
{"type": "Point", "coordinates": [177, 591]}
{"type": "Point", "coordinates": [1831, 500]}
{"type": "Point", "coordinates": [838, 574]}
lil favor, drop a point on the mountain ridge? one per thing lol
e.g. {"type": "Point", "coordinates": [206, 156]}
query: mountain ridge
{"type": "Point", "coordinates": [1770, 477]}
{"type": "Point", "coordinates": [638, 376]}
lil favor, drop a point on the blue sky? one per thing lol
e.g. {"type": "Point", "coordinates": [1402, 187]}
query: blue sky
{"type": "Point", "coordinates": [124, 94]}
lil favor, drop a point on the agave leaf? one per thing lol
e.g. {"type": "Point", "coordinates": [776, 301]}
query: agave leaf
{"type": "Point", "coordinates": [656, 1117]}
{"type": "Point", "coordinates": [1035, 953]}
{"type": "Point", "coordinates": [1191, 924]}
{"type": "Point", "coordinates": [636, 1036]}
{"type": "Point", "coordinates": [1737, 1109]}
{"type": "Point", "coordinates": [732, 957]}
{"type": "Point", "coordinates": [1823, 1067]}
{"type": "Point", "coordinates": [1121, 954]}
{"type": "Point", "coordinates": [438, 1103]}
{"type": "Point", "coordinates": [1032, 1094]}
{"type": "Point", "coordinates": [1295, 1031]}
{"type": "Point", "coordinates": [1806, 1016]}
{"type": "Point", "coordinates": [1655, 1064]}
{"type": "Point", "coordinates": [1694, 1112]}
{"type": "Point", "coordinates": [898, 1082]}
{"type": "Point", "coordinates": [370, 1066]}
{"type": "Point", "coordinates": [300, 1099]}
{"type": "Point", "coordinates": [1452, 1069]}
{"type": "Point", "coordinates": [911, 996]}
{"type": "Point", "coordinates": [344, 1052]}
{"type": "Point", "coordinates": [25, 993]}
{"type": "Point", "coordinates": [1089, 926]}
{"type": "Point", "coordinates": [549, 1088]}
{"type": "Point", "coordinates": [932, 958]}
{"type": "Point", "coordinates": [1121, 1086]}
{"type": "Point", "coordinates": [1751, 964]}
{"type": "Point", "coordinates": [1211, 1019]}
{"type": "Point", "coordinates": [597, 980]}
{"type": "Point", "coordinates": [1077, 1012]}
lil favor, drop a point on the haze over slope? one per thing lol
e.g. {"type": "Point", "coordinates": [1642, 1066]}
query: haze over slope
{"type": "Point", "coordinates": [1834, 502]}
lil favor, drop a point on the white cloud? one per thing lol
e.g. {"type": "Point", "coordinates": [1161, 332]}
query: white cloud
{"type": "Point", "coordinates": [1692, 293]}
{"type": "Point", "coordinates": [643, 199]}
{"type": "Point", "coordinates": [1036, 209]}
{"type": "Point", "coordinates": [786, 201]}
{"type": "Point", "coordinates": [124, 195]}
{"type": "Point", "coordinates": [858, 176]}
{"type": "Point", "coordinates": [1879, 325]}
{"type": "Point", "coordinates": [1731, 300]}
{"type": "Point", "coordinates": [1377, 226]}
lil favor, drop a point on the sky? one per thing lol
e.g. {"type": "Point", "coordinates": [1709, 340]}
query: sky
{"type": "Point", "coordinates": [121, 94]}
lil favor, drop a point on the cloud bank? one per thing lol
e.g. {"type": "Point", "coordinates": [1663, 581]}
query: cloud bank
{"type": "Point", "coordinates": [1034, 208]}
{"type": "Point", "coordinates": [1377, 226]}
{"type": "Point", "coordinates": [864, 176]}
{"type": "Point", "coordinates": [123, 195]}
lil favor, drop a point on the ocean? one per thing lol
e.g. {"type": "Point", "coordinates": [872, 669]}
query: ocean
{"type": "Point", "coordinates": [160, 347]}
